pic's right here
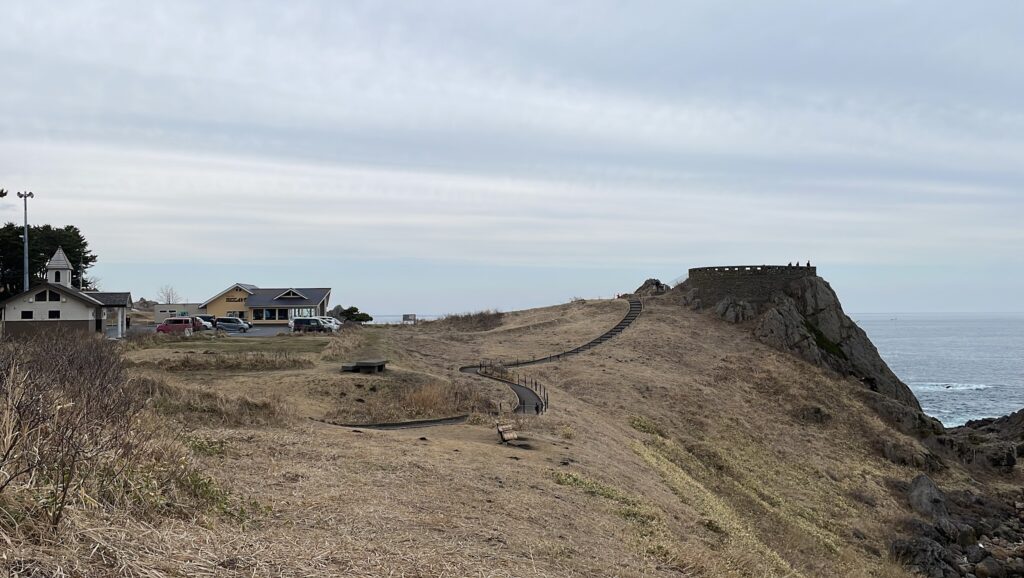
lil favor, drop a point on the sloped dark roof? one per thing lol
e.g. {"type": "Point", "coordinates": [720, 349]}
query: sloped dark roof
{"type": "Point", "coordinates": [111, 299]}
{"type": "Point", "coordinates": [268, 297]}
{"type": "Point", "coordinates": [69, 291]}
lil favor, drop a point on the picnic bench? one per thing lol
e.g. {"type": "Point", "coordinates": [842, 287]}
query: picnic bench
{"type": "Point", "coordinates": [507, 432]}
{"type": "Point", "coordinates": [365, 366]}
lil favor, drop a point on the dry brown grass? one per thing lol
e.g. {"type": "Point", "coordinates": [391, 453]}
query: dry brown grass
{"type": "Point", "coordinates": [354, 342]}
{"type": "Point", "coordinates": [197, 406]}
{"type": "Point", "coordinates": [683, 427]}
{"type": "Point", "coordinates": [476, 321]}
{"type": "Point", "coordinates": [136, 341]}
{"type": "Point", "coordinates": [402, 395]}
{"type": "Point", "coordinates": [238, 361]}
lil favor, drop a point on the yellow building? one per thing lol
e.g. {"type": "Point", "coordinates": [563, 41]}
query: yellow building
{"type": "Point", "coordinates": [268, 306]}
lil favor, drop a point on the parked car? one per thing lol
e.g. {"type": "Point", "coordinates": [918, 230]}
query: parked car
{"type": "Point", "coordinates": [331, 323]}
{"type": "Point", "coordinates": [182, 325]}
{"type": "Point", "coordinates": [309, 324]}
{"type": "Point", "coordinates": [232, 324]}
{"type": "Point", "coordinates": [201, 324]}
{"type": "Point", "coordinates": [211, 319]}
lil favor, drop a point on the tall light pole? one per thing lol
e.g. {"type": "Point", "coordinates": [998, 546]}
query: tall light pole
{"type": "Point", "coordinates": [26, 197]}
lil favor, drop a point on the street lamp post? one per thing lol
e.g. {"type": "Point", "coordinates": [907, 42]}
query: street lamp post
{"type": "Point", "coordinates": [26, 197]}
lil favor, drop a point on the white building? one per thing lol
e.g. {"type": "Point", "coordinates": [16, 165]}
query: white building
{"type": "Point", "coordinates": [55, 304]}
{"type": "Point", "coordinates": [162, 311]}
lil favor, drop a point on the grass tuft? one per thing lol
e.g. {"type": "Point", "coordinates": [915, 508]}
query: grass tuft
{"type": "Point", "coordinates": [469, 322]}
{"type": "Point", "coordinates": [207, 406]}
{"type": "Point", "coordinates": [237, 361]}
{"type": "Point", "coordinates": [646, 425]}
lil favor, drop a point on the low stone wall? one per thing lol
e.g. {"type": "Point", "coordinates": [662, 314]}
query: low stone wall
{"type": "Point", "coordinates": [751, 283]}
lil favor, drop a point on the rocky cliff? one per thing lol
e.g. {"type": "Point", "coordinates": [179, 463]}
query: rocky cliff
{"type": "Point", "coordinates": [968, 533]}
{"type": "Point", "coordinates": [806, 319]}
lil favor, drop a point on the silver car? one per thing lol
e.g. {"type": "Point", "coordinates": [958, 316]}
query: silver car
{"type": "Point", "coordinates": [232, 324]}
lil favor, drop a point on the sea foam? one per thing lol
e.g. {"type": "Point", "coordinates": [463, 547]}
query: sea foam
{"type": "Point", "coordinates": [934, 386]}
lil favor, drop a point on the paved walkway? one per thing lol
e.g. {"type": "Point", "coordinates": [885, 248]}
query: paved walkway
{"type": "Point", "coordinates": [528, 399]}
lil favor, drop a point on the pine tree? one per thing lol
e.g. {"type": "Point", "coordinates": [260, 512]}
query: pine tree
{"type": "Point", "coordinates": [43, 243]}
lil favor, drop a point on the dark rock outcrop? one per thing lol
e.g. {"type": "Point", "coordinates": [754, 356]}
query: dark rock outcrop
{"type": "Point", "coordinates": [970, 533]}
{"type": "Point", "coordinates": [980, 449]}
{"type": "Point", "coordinates": [690, 296]}
{"type": "Point", "coordinates": [807, 320]}
{"type": "Point", "coordinates": [994, 443]}
{"type": "Point", "coordinates": [990, 568]}
{"type": "Point", "coordinates": [734, 311]}
{"type": "Point", "coordinates": [652, 287]}
{"type": "Point", "coordinates": [913, 455]}
{"type": "Point", "coordinates": [926, 499]}
{"type": "Point", "coordinates": [925, 556]}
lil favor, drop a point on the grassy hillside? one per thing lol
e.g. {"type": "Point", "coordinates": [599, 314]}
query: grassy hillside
{"type": "Point", "coordinates": [682, 447]}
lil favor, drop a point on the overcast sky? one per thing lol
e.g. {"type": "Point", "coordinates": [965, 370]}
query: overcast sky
{"type": "Point", "coordinates": [441, 156]}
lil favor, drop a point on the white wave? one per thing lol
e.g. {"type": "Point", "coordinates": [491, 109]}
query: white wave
{"type": "Point", "coordinates": [941, 386]}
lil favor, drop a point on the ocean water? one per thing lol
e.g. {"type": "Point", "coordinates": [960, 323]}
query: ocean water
{"type": "Point", "coordinates": [961, 366]}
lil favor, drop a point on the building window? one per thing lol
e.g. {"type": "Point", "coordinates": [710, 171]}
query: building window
{"type": "Point", "coordinates": [257, 315]}
{"type": "Point", "coordinates": [56, 276]}
{"type": "Point", "coordinates": [41, 296]}
{"type": "Point", "coordinates": [270, 314]}
{"type": "Point", "coordinates": [54, 296]}
{"type": "Point", "coordinates": [54, 314]}
{"type": "Point", "coordinates": [26, 315]}
{"type": "Point", "coordinates": [282, 314]}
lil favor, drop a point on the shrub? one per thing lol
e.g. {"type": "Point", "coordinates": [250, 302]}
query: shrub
{"type": "Point", "coordinates": [567, 432]}
{"type": "Point", "coordinates": [75, 433]}
{"type": "Point", "coordinates": [823, 342]}
{"type": "Point", "coordinates": [478, 321]}
{"type": "Point", "coordinates": [70, 421]}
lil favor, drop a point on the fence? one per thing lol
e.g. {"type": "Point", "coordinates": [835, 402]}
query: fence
{"type": "Point", "coordinates": [498, 371]}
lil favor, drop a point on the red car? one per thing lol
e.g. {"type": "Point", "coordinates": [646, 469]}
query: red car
{"type": "Point", "coordinates": [184, 325]}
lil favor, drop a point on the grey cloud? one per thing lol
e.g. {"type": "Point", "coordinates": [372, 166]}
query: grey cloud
{"type": "Point", "coordinates": [869, 131]}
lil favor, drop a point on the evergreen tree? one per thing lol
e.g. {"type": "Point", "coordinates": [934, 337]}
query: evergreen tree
{"type": "Point", "coordinates": [352, 314]}
{"type": "Point", "coordinates": [43, 243]}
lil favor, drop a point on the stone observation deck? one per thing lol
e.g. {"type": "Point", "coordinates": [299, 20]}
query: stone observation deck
{"type": "Point", "coordinates": [752, 283]}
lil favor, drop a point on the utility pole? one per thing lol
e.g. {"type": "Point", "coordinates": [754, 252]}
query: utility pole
{"type": "Point", "coordinates": [26, 197]}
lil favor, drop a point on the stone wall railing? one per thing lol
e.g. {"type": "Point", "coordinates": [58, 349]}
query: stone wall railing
{"type": "Point", "coordinates": [734, 270]}
{"type": "Point", "coordinates": [753, 283]}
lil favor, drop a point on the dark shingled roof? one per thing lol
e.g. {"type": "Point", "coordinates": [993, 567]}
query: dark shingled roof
{"type": "Point", "coordinates": [266, 297]}
{"type": "Point", "coordinates": [69, 291]}
{"type": "Point", "coordinates": [111, 299]}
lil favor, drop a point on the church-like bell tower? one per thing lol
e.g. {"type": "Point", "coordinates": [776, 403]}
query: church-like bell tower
{"type": "Point", "coordinates": [58, 269]}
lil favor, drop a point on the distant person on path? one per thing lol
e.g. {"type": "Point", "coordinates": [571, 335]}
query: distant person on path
{"type": "Point", "coordinates": [536, 407]}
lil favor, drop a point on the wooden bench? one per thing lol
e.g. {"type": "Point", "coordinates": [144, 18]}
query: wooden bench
{"type": "Point", "coordinates": [365, 366]}
{"type": "Point", "coordinates": [507, 432]}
